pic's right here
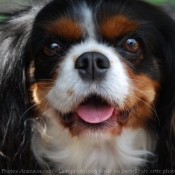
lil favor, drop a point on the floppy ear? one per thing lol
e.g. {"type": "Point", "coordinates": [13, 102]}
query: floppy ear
{"type": "Point", "coordinates": [14, 134]}
{"type": "Point", "coordinates": [165, 109]}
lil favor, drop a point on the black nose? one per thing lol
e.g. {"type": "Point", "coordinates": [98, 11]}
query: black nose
{"type": "Point", "coordinates": [92, 65]}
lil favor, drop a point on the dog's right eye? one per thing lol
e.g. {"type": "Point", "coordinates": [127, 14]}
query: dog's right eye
{"type": "Point", "coordinates": [132, 45]}
{"type": "Point", "coordinates": [51, 50]}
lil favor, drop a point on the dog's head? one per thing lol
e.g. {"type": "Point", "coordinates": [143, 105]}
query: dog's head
{"type": "Point", "coordinates": [96, 67]}
{"type": "Point", "coordinates": [93, 70]}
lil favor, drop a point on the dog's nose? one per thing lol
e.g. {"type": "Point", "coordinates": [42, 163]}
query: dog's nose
{"type": "Point", "coordinates": [92, 65]}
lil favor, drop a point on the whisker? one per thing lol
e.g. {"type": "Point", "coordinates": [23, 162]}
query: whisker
{"type": "Point", "coordinates": [47, 80]}
{"type": "Point", "coordinates": [131, 107]}
{"type": "Point", "coordinates": [53, 52]}
{"type": "Point", "coordinates": [30, 108]}
{"type": "Point", "coordinates": [138, 81]}
{"type": "Point", "coordinates": [152, 108]}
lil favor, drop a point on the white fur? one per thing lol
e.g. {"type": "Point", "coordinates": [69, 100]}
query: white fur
{"type": "Point", "coordinates": [125, 152]}
{"type": "Point", "coordinates": [87, 23]}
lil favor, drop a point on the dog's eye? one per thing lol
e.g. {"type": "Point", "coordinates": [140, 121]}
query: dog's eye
{"type": "Point", "coordinates": [132, 45]}
{"type": "Point", "coordinates": [52, 49]}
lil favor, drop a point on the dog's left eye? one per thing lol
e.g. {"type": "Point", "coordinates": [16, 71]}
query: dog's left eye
{"type": "Point", "coordinates": [52, 49]}
{"type": "Point", "coordinates": [132, 45]}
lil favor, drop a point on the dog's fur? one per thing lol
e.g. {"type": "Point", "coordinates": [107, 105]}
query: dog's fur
{"type": "Point", "coordinates": [42, 90]}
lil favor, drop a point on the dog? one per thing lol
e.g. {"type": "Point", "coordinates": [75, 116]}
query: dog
{"type": "Point", "coordinates": [87, 87]}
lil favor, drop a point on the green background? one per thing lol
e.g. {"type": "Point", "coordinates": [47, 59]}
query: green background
{"type": "Point", "coordinates": [161, 1]}
{"type": "Point", "coordinates": [8, 5]}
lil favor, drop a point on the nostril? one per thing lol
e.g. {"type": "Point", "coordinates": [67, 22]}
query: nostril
{"type": "Point", "coordinates": [102, 63]}
{"type": "Point", "coordinates": [99, 63]}
{"type": "Point", "coordinates": [82, 63]}
{"type": "Point", "coordinates": [85, 63]}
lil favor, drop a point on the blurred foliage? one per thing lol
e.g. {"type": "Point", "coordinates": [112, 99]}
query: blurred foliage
{"type": "Point", "coordinates": [161, 1]}
{"type": "Point", "coordinates": [1, 17]}
{"type": "Point", "coordinates": [157, 1]}
{"type": "Point", "coordinates": [6, 5]}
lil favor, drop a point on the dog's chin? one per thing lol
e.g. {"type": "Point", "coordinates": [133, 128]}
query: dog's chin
{"type": "Point", "coordinates": [95, 117]}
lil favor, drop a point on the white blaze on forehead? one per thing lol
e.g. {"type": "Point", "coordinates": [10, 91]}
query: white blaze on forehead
{"type": "Point", "coordinates": [87, 22]}
{"type": "Point", "coordinates": [114, 87]}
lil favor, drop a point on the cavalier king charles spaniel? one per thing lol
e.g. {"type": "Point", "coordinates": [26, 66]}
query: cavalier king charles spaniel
{"type": "Point", "coordinates": [87, 87]}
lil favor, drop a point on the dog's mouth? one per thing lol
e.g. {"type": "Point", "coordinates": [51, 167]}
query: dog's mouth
{"type": "Point", "coordinates": [95, 112]}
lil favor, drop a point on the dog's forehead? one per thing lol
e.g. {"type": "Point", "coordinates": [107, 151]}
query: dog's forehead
{"type": "Point", "coordinates": [75, 20]}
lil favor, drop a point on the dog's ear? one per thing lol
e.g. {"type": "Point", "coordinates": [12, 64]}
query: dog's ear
{"type": "Point", "coordinates": [14, 137]}
{"type": "Point", "coordinates": [15, 60]}
{"type": "Point", "coordinates": [165, 109]}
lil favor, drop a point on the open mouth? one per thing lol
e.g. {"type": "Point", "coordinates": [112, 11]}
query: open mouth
{"type": "Point", "coordinates": [95, 112]}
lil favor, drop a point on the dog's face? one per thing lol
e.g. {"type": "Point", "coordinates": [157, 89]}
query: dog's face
{"type": "Point", "coordinates": [87, 84]}
{"type": "Point", "coordinates": [95, 70]}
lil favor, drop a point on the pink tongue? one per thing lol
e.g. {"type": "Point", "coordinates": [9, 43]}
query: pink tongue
{"type": "Point", "coordinates": [92, 112]}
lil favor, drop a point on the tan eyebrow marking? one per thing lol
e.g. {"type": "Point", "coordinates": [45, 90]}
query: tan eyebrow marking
{"type": "Point", "coordinates": [116, 26]}
{"type": "Point", "coordinates": [65, 28]}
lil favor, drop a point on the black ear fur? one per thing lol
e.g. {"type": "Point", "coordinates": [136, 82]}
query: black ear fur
{"type": "Point", "coordinates": [15, 131]}
{"type": "Point", "coordinates": [14, 134]}
{"type": "Point", "coordinates": [165, 109]}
